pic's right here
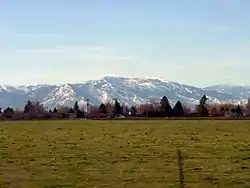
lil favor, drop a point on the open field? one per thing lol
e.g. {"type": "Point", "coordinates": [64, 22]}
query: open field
{"type": "Point", "coordinates": [51, 154]}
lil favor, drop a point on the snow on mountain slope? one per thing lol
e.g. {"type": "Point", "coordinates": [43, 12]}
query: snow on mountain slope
{"type": "Point", "coordinates": [126, 90]}
{"type": "Point", "coordinates": [240, 90]}
{"type": "Point", "coordinates": [3, 88]}
{"type": "Point", "coordinates": [61, 95]}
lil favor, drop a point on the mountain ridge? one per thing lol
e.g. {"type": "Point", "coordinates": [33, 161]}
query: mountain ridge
{"type": "Point", "coordinates": [127, 90]}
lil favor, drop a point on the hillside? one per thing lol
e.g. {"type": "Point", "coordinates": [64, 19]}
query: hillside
{"type": "Point", "coordinates": [126, 90]}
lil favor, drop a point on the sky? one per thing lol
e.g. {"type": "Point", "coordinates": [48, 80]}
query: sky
{"type": "Point", "coordinates": [192, 42]}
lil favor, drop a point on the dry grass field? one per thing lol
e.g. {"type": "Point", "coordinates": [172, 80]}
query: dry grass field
{"type": "Point", "coordinates": [131, 154]}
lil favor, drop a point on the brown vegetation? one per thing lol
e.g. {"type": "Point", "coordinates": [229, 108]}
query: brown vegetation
{"type": "Point", "coordinates": [35, 110]}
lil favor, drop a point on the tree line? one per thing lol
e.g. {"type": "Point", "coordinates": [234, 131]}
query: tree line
{"type": "Point", "coordinates": [163, 108]}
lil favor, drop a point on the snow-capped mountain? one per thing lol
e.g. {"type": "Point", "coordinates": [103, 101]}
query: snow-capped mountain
{"type": "Point", "coordinates": [126, 90]}
{"type": "Point", "coordinates": [240, 90]}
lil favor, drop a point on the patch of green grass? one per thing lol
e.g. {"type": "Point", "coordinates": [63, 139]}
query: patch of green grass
{"type": "Point", "coordinates": [52, 154]}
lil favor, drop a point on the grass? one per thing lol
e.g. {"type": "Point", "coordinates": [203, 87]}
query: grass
{"type": "Point", "coordinates": [132, 154]}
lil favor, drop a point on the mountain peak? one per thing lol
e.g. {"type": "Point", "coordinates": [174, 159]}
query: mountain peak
{"type": "Point", "coordinates": [128, 90]}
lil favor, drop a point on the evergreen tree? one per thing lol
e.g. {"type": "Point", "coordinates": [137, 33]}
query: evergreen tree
{"type": "Point", "coordinates": [50, 111]}
{"type": "Point", "coordinates": [222, 109]}
{"type": "Point", "coordinates": [178, 110]}
{"type": "Point", "coordinates": [238, 111]}
{"type": "Point", "coordinates": [201, 108]}
{"type": "Point", "coordinates": [121, 110]}
{"type": "Point", "coordinates": [80, 114]}
{"type": "Point", "coordinates": [126, 110]}
{"type": "Point", "coordinates": [102, 108]}
{"type": "Point", "coordinates": [8, 113]}
{"type": "Point", "coordinates": [77, 111]}
{"type": "Point", "coordinates": [165, 107]}
{"type": "Point", "coordinates": [117, 108]}
{"type": "Point", "coordinates": [27, 107]}
{"type": "Point", "coordinates": [203, 100]}
{"type": "Point", "coordinates": [133, 110]}
{"type": "Point", "coordinates": [55, 110]}
{"type": "Point", "coordinates": [76, 107]}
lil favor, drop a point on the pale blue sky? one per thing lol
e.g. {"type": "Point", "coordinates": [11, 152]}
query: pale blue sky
{"type": "Point", "coordinates": [189, 41]}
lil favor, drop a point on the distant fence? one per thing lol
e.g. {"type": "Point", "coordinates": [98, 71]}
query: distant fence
{"type": "Point", "coordinates": [243, 181]}
{"type": "Point", "coordinates": [181, 171]}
